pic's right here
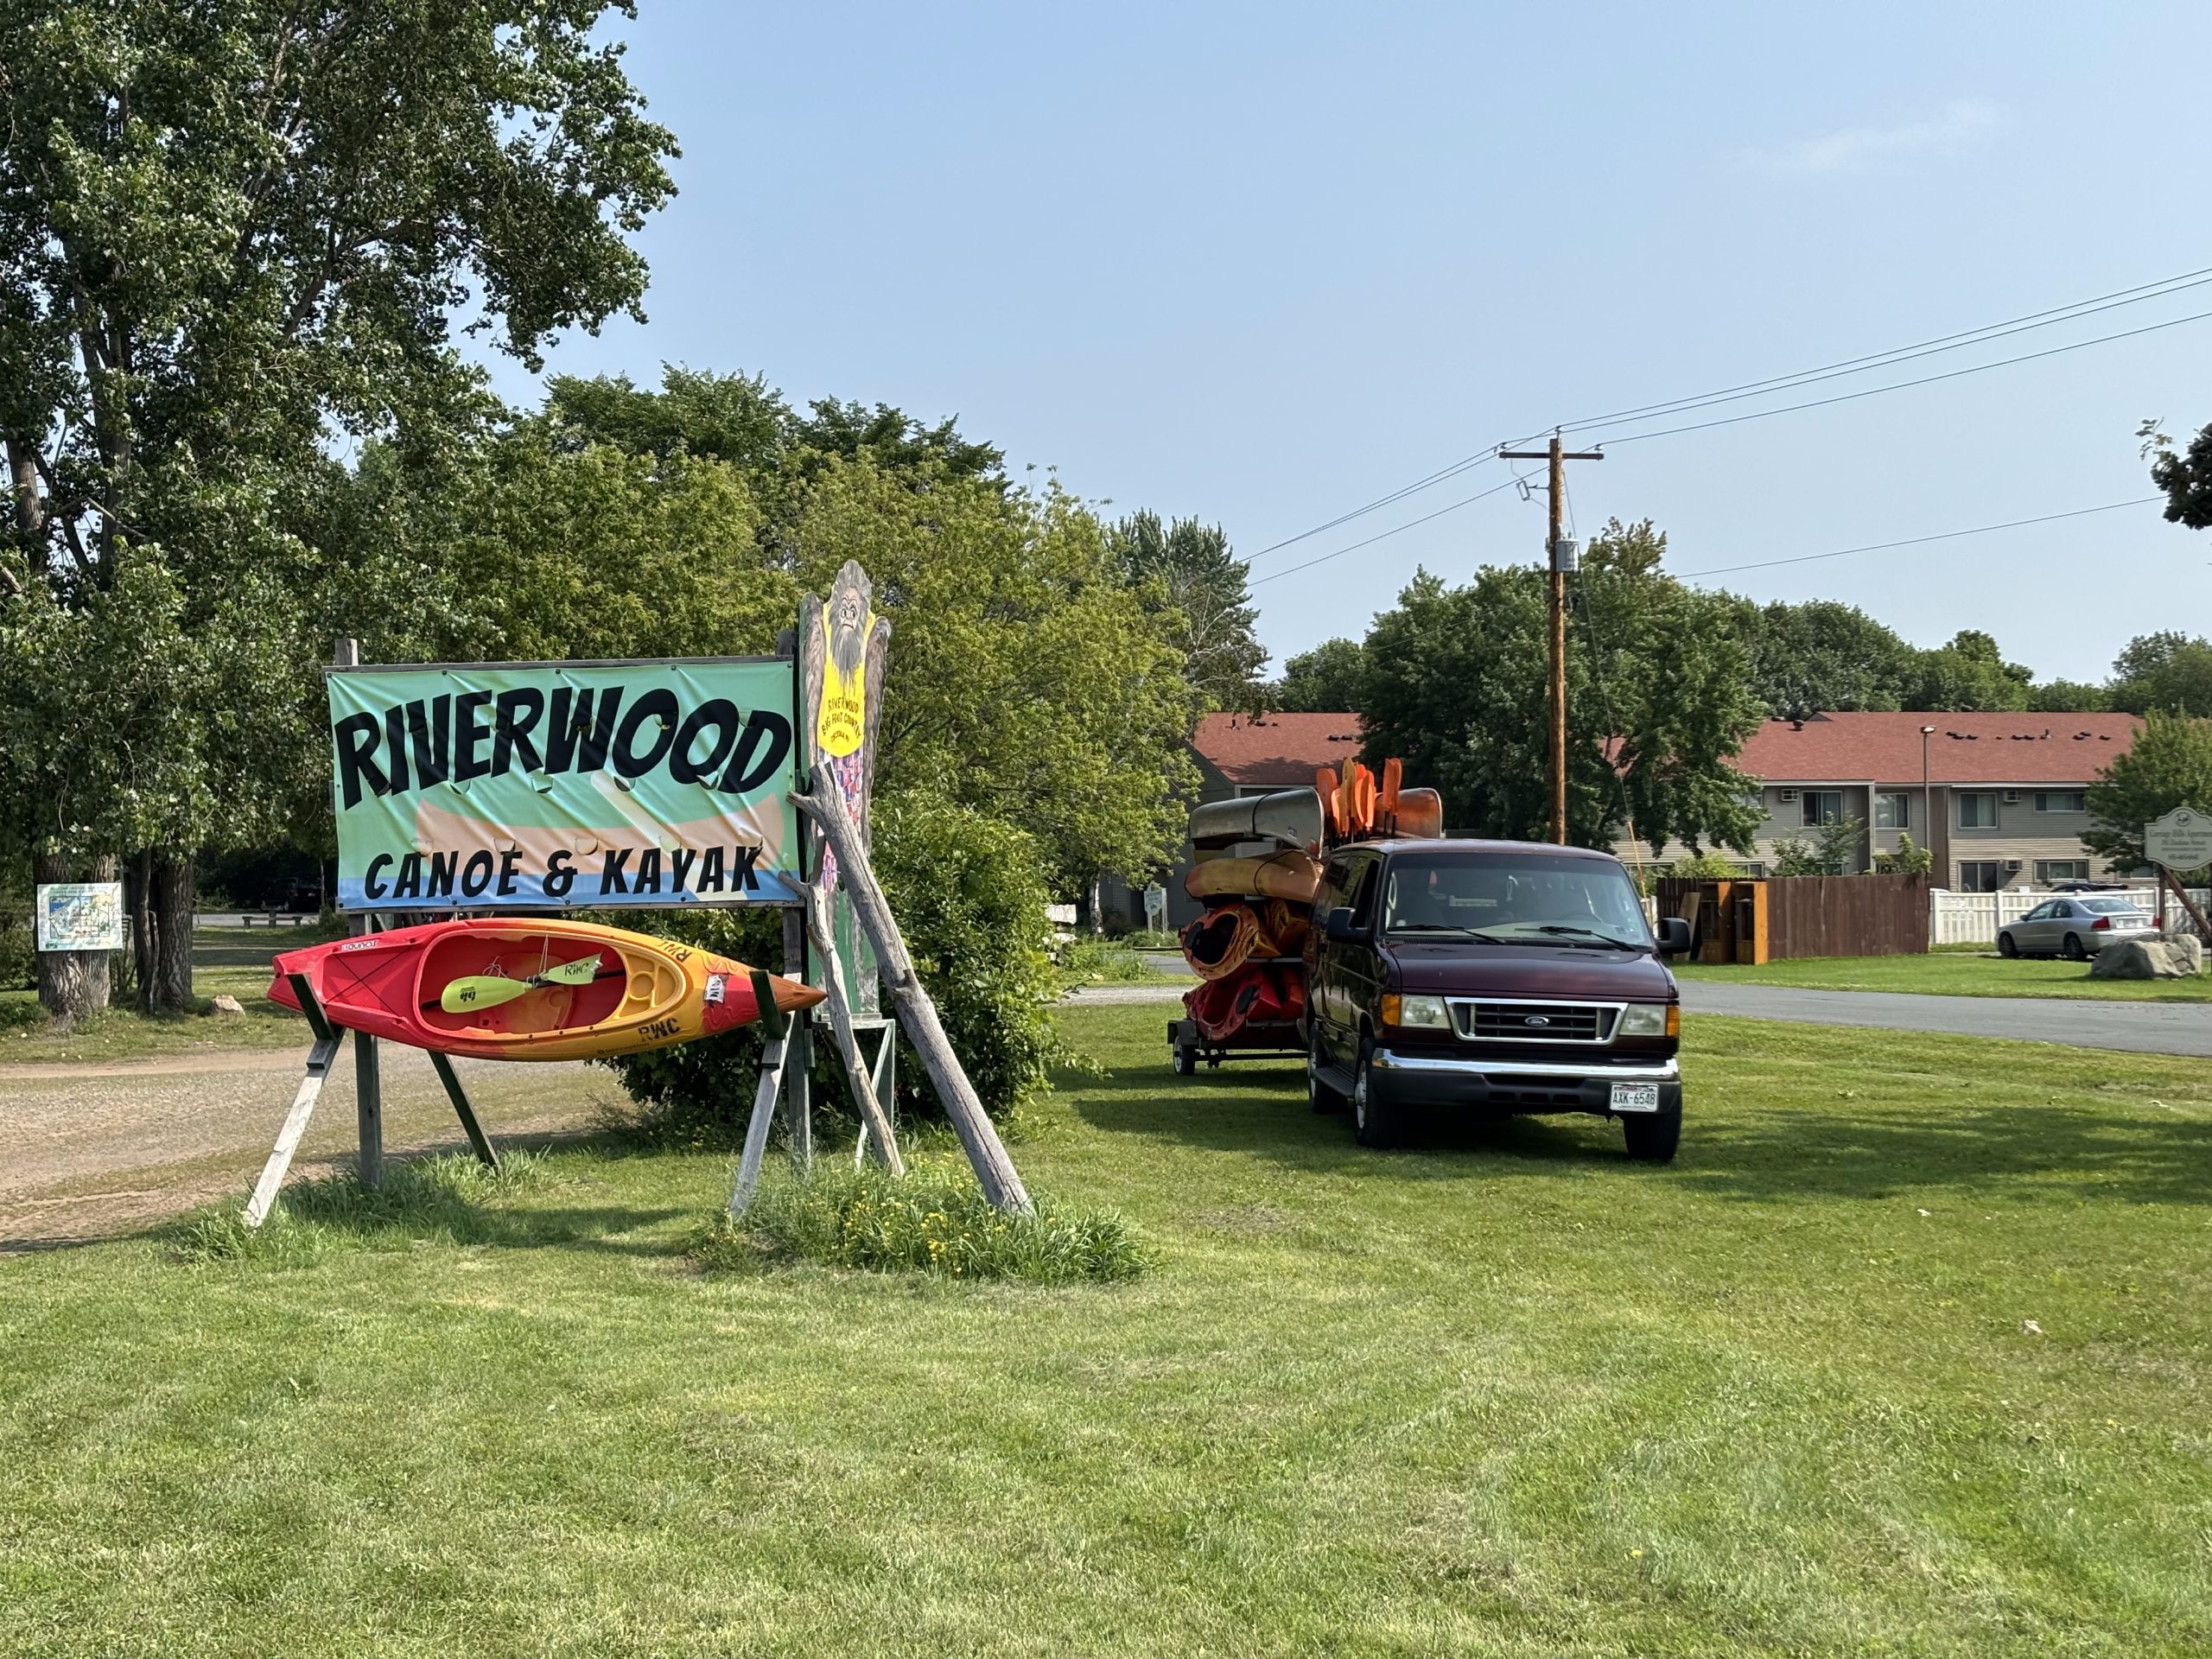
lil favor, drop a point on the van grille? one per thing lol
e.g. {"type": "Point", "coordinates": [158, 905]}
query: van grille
{"type": "Point", "coordinates": [1535, 1022]}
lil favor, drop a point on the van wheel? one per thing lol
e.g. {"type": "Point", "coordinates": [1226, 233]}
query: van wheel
{"type": "Point", "coordinates": [1653, 1136]}
{"type": "Point", "coordinates": [2073, 950]}
{"type": "Point", "coordinates": [1374, 1121]}
{"type": "Point", "coordinates": [1323, 1100]}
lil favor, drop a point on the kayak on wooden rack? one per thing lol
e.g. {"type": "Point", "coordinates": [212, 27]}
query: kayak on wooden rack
{"type": "Point", "coordinates": [512, 988]}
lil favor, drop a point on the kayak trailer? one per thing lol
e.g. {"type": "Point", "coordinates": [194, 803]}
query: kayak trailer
{"type": "Point", "coordinates": [1256, 1040]}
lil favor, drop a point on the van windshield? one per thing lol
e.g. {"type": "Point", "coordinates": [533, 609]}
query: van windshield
{"type": "Point", "coordinates": [1519, 899]}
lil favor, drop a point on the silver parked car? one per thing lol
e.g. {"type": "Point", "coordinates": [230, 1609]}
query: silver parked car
{"type": "Point", "coordinates": [2073, 927]}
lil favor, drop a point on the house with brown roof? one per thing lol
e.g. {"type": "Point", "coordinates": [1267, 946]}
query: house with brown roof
{"type": "Point", "coordinates": [1999, 799]}
{"type": "Point", "coordinates": [1242, 754]}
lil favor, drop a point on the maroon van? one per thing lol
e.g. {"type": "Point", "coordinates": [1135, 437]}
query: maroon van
{"type": "Point", "coordinates": [1492, 976]}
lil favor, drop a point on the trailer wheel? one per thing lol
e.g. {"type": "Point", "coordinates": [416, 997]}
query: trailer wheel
{"type": "Point", "coordinates": [1185, 1058]}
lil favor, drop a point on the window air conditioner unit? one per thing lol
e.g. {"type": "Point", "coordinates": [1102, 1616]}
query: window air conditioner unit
{"type": "Point", "coordinates": [2011, 867]}
{"type": "Point", "coordinates": [2011, 797]}
{"type": "Point", "coordinates": [1789, 794]}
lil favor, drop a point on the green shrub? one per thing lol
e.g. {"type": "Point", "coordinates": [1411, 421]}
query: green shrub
{"type": "Point", "coordinates": [1087, 959]}
{"type": "Point", "coordinates": [935, 1221]}
{"type": "Point", "coordinates": [969, 893]}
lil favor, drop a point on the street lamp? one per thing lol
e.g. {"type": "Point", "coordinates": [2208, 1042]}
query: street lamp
{"type": "Point", "coordinates": [1927, 795]}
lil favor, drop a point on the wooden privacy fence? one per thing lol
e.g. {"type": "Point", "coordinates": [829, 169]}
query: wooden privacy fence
{"type": "Point", "coordinates": [1782, 917]}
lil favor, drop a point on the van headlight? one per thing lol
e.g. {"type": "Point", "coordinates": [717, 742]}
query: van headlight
{"type": "Point", "coordinates": [1414, 1011]}
{"type": "Point", "coordinates": [1648, 1019]}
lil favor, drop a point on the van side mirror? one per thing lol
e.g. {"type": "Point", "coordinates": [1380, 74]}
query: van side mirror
{"type": "Point", "coordinates": [1674, 937]}
{"type": "Point", "coordinates": [1339, 928]}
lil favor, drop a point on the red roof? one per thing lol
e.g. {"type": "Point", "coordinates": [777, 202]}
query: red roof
{"type": "Point", "coordinates": [1884, 748]}
{"type": "Point", "coordinates": [1281, 749]}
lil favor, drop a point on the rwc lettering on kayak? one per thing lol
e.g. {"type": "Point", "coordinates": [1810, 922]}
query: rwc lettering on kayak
{"type": "Point", "coordinates": [568, 785]}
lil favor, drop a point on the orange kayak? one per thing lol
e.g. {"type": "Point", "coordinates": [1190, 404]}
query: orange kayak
{"type": "Point", "coordinates": [643, 994]}
{"type": "Point", "coordinates": [1288, 875]}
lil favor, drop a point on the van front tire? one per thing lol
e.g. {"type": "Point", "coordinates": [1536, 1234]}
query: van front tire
{"type": "Point", "coordinates": [1653, 1136]}
{"type": "Point", "coordinates": [1375, 1122]}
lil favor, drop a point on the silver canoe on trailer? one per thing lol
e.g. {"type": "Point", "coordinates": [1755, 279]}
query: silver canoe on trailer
{"type": "Point", "coordinates": [1289, 817]}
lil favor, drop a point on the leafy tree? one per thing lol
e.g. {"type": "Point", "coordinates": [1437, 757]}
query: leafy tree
{"type": "Point", "coordinates": [2186, 477]}
{"type": "Point", "coordinates": [1026, 679]}
{"type": "Point", "coordinates": [1822, 657]}
{"type": "Point", "coordinates": [1832, 849]}
{"type": "Point", "coordinates": [738, 418]}
{"type": "Point", "coordinates": [1325, 680]}
{"type": "Point", "coordinates": [1185, 571]}
{"type": "Point", "coordinates": [1968, 674]}
{"type": "Point", "coordinates": [2169, 765]}
{"type": "Point", "coordinates": [1659, 701]}
{"type": "Point", "coordinates": [2169, 672]}
{"type": "Point", "coordinates": [1908, 860]}
{"type": "Point", "coordinates": [227, 233]}
{"type": "Point", "coordinates": [2068, 697]}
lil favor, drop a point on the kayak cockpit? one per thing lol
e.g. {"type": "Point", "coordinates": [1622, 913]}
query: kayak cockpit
{"type": "Point", "coordinates": [631, 985]}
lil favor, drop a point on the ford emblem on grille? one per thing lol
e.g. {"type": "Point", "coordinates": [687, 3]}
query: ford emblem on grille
{"type": "Point", "coordinates": [1534, 1019]}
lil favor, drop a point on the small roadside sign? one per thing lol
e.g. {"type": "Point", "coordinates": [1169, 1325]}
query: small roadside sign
{"type": "Point", "coordinates": [2182, 840]}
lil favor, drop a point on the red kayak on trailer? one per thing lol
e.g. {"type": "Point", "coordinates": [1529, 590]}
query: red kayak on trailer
{"type": "Point", "coordinates": [508, 989]}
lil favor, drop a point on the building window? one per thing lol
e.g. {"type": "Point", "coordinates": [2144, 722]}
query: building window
{"type": "Point", "coordinates": [2049, 870]}
{"type": "Point", "coordinates": [2062, 800]}
{"type": "Point", "coordinates": [1978, 812]}
{"type": "Point", "coordinates": [1822, 806]}
{"type": "Point", "coordinates": [1893, 811]}
{"type": "Point", "coordinates": [1981, 875]}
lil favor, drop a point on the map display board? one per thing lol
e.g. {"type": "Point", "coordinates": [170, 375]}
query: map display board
{"type": "Point", "coordinates": [81, 916]}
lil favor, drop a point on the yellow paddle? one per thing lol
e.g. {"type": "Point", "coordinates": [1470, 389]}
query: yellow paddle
{"type": "Point", "coordinates": [490, 990]}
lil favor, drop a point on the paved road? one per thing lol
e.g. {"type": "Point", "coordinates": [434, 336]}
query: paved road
{"type": "Point", "coordinates": [2143, 1027]}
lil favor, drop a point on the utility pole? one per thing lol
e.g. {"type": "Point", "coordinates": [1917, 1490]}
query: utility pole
{"type": "Point", "coordinates": [1560, 558]}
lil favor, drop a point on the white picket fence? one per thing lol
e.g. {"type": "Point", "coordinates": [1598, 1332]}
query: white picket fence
{"type": "Point", "coordinates": [1974, 918]}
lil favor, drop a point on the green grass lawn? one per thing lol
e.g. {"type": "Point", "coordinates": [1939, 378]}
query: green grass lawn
{"type": "Point", "coordinates": [1908, 1354]}
{"type": "Point", "coordinates": [1951, 973]}
{"type": "Point", "coordinates": [225, 960]}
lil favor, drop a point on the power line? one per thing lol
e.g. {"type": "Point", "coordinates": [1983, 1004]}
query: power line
{"type": "Point", "coordinates": [1917, 541]}
{"type": "Point", "coordinates": [2175, 284]}
{"type": "Point", "coordinates": [1465, 464]}
{"type": "Point", "coordinates": [2079, 309]}
{"type": "Point", "coordinates": [1900, 385]}
{"type": "Point", "coordinates": [1386, 535]}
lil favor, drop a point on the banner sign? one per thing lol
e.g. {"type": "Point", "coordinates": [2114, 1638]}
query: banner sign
{"type": "Point", "coordinates": [505, 785]}
{"type": "Point", "coordinates": [81, 916]}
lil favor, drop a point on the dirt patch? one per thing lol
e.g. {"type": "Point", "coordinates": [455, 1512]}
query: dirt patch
{"type": "Point", "coordinates": [91, 1150]}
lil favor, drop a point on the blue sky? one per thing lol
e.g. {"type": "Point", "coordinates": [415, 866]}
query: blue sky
{"type": "Point", "coordinates": [1265, 264]}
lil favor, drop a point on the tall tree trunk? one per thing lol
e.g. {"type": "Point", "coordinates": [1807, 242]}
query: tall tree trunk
{"type": "Point", "coordinates": [138, 893]}
{"type": "Point", "coordinates": [71, 983]}
{"type": "Point", "coordinates": [99, 965]}
{"type": "Point", "coordinates": [167, 972]}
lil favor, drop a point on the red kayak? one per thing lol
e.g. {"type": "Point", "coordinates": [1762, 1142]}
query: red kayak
{"type": "Point", "coordinates": [508, 989]}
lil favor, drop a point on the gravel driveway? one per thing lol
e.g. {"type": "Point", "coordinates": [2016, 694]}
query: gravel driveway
{"type": "Point", "coordinates": [88, 1151]}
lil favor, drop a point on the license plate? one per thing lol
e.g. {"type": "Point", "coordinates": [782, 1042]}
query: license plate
{"type": "Point", "coordinates": [1636, 1097]}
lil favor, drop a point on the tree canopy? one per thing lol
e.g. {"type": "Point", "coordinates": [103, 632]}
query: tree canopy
{"type": "Point", "coordinates": [2169, 765]}
{"type": "Point", "coordinates": [1659, 701]}
{"type": "Point", "coordinates": [1325, 680]}
{"type": "Point", "coordinates": [1185, 571]}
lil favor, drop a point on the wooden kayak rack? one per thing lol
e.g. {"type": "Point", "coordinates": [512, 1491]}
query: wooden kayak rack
{"type": "Point", "coordinates": [784, 1077]}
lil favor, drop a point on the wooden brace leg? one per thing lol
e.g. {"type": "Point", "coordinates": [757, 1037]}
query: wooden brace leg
{"type": "Point", "coordinates": [296, 1125]}
{"type": "Point", "coordinates": [443, 1064]}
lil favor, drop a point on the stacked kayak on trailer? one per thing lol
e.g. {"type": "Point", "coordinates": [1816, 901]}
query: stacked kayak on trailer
{"type": "Point", "coordinates": [1258, 872]}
